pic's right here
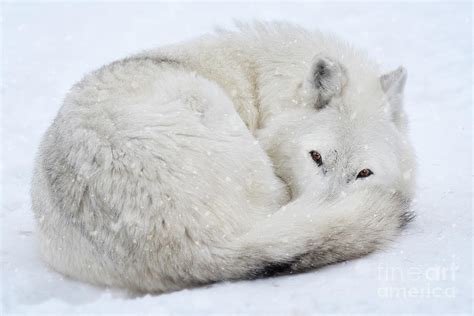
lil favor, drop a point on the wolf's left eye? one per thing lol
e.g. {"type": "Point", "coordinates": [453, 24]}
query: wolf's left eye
{"type": "Point", "coordinates": [316, 157]}
{"type": "Point", "coordinates": [364, 173]}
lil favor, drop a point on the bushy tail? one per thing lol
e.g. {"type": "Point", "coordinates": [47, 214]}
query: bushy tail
{"type": "Point", "coordinates": [304, 235]}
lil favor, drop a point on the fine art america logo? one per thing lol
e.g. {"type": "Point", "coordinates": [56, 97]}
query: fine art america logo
{"type": "Point", "coordinates": [435, 281]}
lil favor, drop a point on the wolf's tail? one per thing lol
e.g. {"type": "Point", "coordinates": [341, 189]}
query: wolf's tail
{"type": "Point", "coordinates": [304, 235]}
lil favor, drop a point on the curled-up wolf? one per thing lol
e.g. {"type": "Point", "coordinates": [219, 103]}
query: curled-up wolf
{"type": "Point", "coordinates": [265, 150]}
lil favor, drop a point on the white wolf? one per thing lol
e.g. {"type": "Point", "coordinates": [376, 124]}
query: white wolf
{"type": "Point", "coordinates": [265, 150]}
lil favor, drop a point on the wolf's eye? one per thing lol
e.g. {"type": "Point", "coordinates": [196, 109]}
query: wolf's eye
{"type": "Point", "coordinates": [364, 173]}
{"type": "Point", "coordinates": [316, 157]}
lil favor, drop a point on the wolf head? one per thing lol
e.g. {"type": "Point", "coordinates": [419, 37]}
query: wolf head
{"type": "Point", "coordinates": [339, 129]}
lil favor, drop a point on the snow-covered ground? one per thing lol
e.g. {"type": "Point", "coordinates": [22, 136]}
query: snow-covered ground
{"type": "Point", "coordinates": [47, 47]}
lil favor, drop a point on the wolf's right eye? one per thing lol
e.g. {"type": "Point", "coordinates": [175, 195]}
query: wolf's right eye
{"type": "Point", "coordinates": [364, 173]}
{"type": "Point", "coordinates": [316, 157]}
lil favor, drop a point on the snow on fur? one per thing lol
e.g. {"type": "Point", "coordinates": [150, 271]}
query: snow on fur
{"type": "Point", "coordinates": [191, 163]}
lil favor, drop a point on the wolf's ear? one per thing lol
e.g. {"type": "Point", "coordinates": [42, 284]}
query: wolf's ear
{"type": "Point", "coordinates": [393, 85]}
{"type": "Point", "coordinates": [327, 78]}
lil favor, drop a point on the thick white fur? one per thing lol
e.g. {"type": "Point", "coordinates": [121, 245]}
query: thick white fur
{"type": "Point", "coordinates": [190, 164]}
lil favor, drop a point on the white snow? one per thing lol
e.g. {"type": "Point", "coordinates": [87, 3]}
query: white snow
{"type": "Point", "coordinates": [47, 47]}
